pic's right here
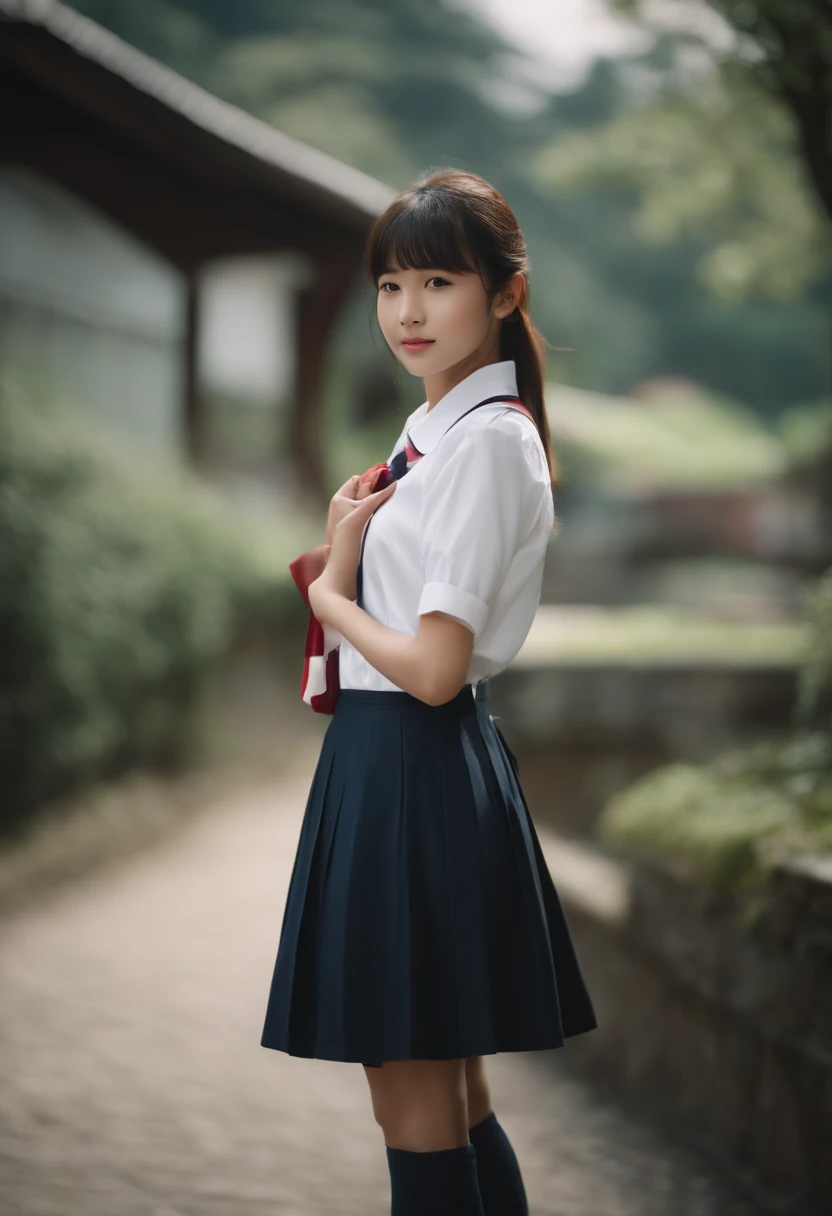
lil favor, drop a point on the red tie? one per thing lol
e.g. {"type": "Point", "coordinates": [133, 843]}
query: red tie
{"type": "Point", "coordinates": [320, 684]}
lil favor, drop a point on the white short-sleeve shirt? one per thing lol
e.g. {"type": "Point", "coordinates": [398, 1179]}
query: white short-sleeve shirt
{"type": "Point", "coordinates": [466, 530]}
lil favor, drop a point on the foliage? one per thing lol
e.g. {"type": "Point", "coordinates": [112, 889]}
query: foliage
{"type": "Point", "coordinates": [806, 430]}
{"type": "Point", "coordinates": [716, 161]}
{"type": "Point", "coordinates": [656, 633]}
{"type": "Point", "coordinates": [119, 587]}
{"type": "Point", "coordinates": [814, 699]}
{"type": "Point", "coordinates": [341, 76]}
{"type": "Point", "coordinates": [686, 439]}
{"type": "Point", "coordinates": [785, 45]}
{"type": "Point", "coordinates": [725, 824]}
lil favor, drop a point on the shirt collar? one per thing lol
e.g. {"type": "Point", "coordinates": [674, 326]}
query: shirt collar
{"type": "Point", "coordinates": [490, 381]}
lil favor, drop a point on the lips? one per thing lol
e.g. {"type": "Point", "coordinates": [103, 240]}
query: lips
{"type": "Point", "coordinates": [417, 343]}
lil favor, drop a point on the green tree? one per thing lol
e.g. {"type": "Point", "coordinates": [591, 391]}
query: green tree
{"type": "Point", "coordinates": [717, 160]}
{"type": "Point", "coordinates": [364, 80]}
{"type": "Point", "coordinates": [786, 46]}
{"type": "Point", "coordinates": [718, 141]}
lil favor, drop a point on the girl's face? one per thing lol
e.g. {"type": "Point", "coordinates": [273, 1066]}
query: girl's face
{"type": "Point", "coordinates": [448, 308]}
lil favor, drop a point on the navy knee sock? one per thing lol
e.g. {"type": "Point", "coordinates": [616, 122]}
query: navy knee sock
{"type": "Point", "coordinates": [439, 1183]}
{"type": "Point", "coordinates": [501, 1183]}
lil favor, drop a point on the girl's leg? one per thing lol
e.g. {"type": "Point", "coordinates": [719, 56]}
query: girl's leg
{"type": "Point", "coordinates": [421, 1106]}
{"type": "Point", "coordinates": [501, 1183]}
{"type": "Point", "coordinates": [477, 1090]}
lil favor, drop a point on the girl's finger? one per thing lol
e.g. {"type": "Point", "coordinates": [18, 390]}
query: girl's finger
{"type": "Point", "coordinates": [373, 500]}
{"type": "Point", "coordinates": [364, 507]}
{"type": "Point", "coordinates": [349, 486]}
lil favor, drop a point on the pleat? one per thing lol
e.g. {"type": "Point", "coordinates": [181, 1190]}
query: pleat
{"type": "Point", "coordinates": [575, 1009]}
{"type": "Point", "coordinates": [400, 953]}
{"type": "Point", "coordinates": [476, 982]}
{"type": "Point", "coordinates": [284, 1005]}
{"type": "Point", "coordinates": [326, 985]}
{"type": "Point", "coordinates": [421, 921]}
{"type": "Point", "coordinates": [524, 990]}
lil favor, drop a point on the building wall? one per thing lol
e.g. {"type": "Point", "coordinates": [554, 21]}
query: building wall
{"type": "Point", "coordinates": [89, 310]}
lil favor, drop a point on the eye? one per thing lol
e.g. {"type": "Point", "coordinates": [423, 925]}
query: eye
{"type": "Point", "coordinates": [434, 279]}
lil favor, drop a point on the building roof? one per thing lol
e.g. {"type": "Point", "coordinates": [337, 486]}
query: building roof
{"type": "Point", "coordinates": [243, 144]}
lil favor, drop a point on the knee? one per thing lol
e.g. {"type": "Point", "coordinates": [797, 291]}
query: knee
{"type": "Point", "coordinates": [425, 1126]}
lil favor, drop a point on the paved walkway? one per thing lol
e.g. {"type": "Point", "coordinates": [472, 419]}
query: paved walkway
{"type": "Point", "coordinates": [134, 1084]}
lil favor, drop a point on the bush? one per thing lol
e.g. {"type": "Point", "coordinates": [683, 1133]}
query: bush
{"type": "Point", "coordinates": [806, 431]}
{"type": "Point", "coordinates": [814, 694]}
{"type": "Point", "coordinates": [119, 587]}
{"type": "Point", "coordinates": [726, 824]}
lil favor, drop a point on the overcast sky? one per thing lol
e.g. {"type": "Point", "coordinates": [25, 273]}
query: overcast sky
{"type": "Point", "coordinates": [563, 36]}
{"type": "Point", "coordinates": [566, 34]}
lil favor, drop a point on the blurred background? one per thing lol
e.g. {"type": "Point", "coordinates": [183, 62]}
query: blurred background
{"type": "Point", "coordinates": [190, 365]}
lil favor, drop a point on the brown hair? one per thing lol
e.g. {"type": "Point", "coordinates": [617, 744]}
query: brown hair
{"type": "Point", "coordinates": [450, 219]}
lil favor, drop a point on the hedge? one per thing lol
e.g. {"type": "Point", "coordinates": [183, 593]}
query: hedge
{"type": "Point", "coordinates": [121, 583]}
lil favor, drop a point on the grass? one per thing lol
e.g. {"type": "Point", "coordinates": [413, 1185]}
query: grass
{"type": "Point", "coordinates": [726, 824]}
{"type": "Point", "coordinates": [644, 634]}
{"type": "Point", "coordinates": [693, 442]}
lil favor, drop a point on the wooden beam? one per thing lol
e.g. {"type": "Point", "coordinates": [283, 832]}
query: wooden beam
{"type": "Point", "coordinates": [193, 409]}
{"type": "Point", "coordinates": [317, 309]}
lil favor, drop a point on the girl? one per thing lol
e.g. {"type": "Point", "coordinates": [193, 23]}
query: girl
{"type": "Point", "coordinates": [422, 930]}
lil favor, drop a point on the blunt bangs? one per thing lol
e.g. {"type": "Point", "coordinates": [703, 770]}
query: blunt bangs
{"type": "Point", "coordinates": [423, 234]}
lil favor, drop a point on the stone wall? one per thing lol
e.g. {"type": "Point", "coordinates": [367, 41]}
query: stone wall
{"type": "Point", "coordinates": [583, 731]}
{"type": "Point", "coordinates": [718, 1011]}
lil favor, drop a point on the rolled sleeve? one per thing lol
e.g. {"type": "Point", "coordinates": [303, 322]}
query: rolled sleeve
{"type": "Point", "coordinates": [466, 608]}
{"type": "Point", "coordinates": [472, 522]}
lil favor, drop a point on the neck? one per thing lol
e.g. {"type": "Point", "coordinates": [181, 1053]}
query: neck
{"type": "Point", "coordinates": [441, 383]}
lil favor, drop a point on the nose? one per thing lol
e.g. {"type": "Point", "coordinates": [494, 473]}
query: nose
{"type": "Point", "coordinates": [411, 310]}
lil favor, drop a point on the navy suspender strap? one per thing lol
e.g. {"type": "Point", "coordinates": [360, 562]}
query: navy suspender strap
{"type": "Point", "coordinates": [488, 401]}
{"type": "Point", "coordinates": [359, 576]}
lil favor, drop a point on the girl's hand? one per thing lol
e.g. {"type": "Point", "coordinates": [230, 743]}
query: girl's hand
{"type": "Point", "coordinates": [344, 501]}
{"type": "Point", "coordinates": [339, 576]}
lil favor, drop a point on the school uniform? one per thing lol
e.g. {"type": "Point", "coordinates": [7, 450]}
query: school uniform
{"type": "Point", "coordinates": [421, 920]}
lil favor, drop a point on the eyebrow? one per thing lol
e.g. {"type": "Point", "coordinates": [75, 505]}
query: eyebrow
{"type": "Point", "coordinates": [399, 270]}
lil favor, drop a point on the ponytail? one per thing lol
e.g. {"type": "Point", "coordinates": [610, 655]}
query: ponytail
{"type": "Point", "coordinates": [522, 341]}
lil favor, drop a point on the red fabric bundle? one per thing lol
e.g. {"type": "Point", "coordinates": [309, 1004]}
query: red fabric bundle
{"type": "Point", "coordinates": [319, 685]}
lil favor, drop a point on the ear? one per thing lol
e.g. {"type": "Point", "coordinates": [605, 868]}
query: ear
{"type": "Point", "coordinates": [511, 294]}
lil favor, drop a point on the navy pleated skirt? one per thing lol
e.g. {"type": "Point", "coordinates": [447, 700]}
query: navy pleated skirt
{"type": "Point", "coordinates": [421, 921]}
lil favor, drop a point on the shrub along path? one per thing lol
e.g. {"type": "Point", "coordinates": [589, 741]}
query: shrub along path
{"type": "Point", "coordinates": [134, 1083]}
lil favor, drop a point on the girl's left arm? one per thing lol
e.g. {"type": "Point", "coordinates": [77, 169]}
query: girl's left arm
{"type": "Point", "coordinates": [431, 666]}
